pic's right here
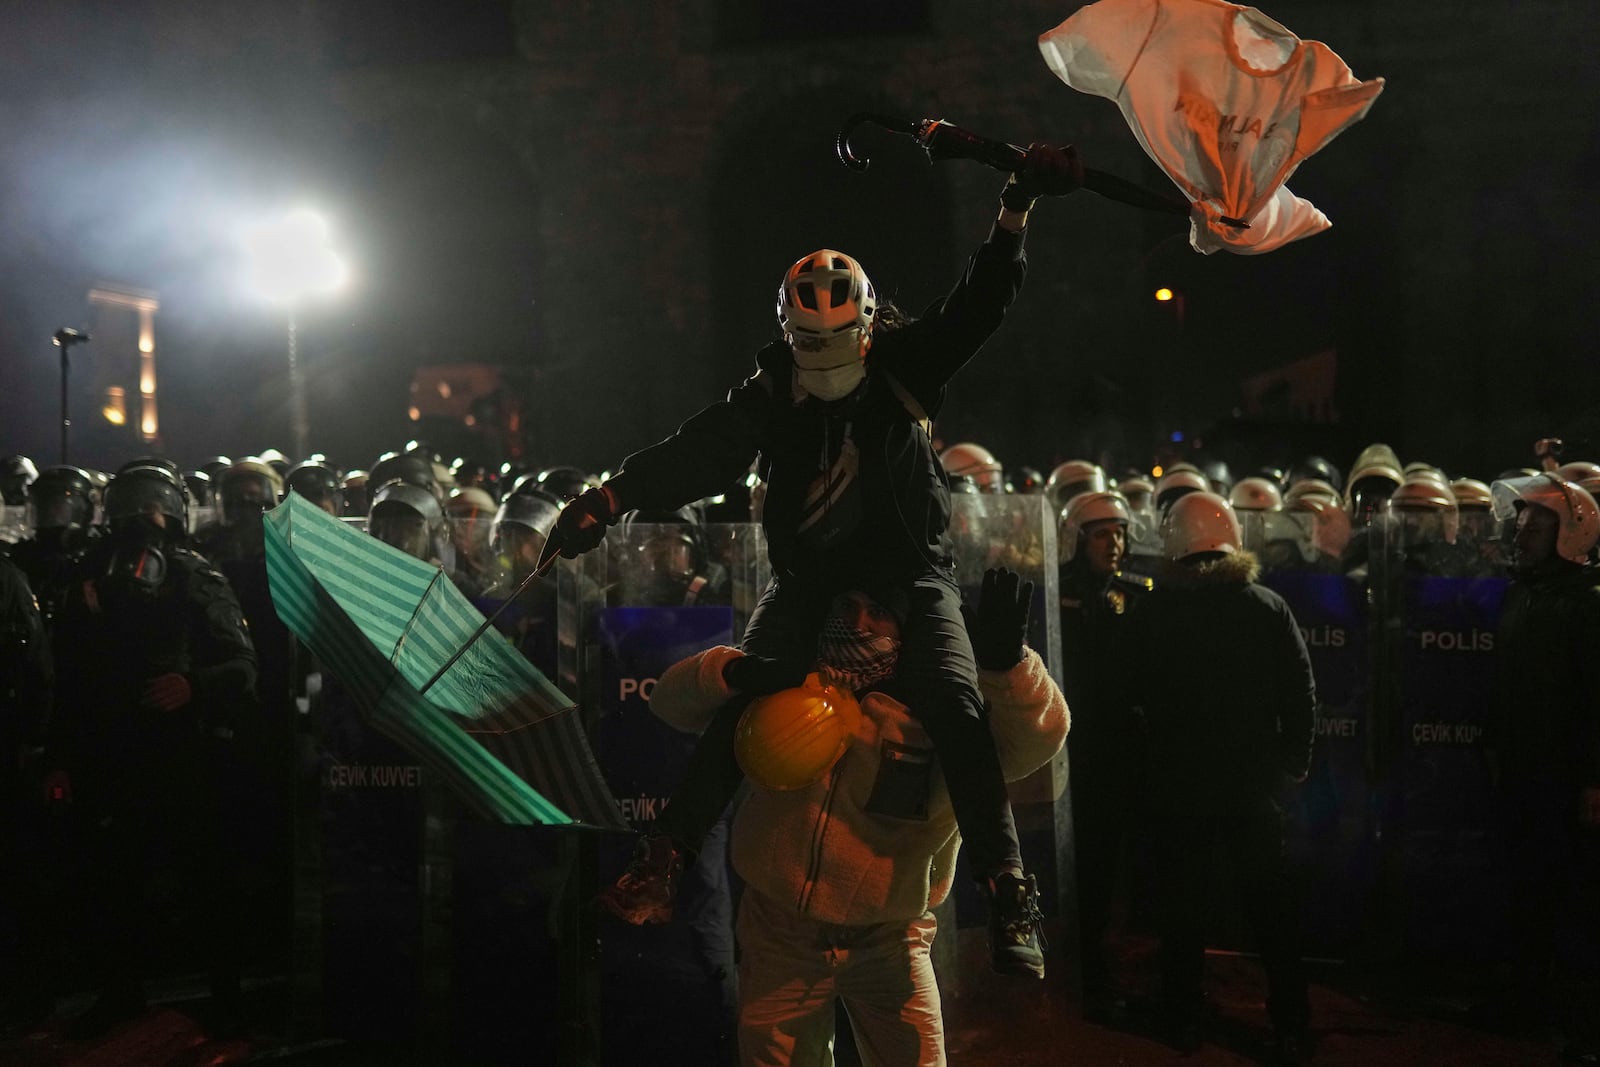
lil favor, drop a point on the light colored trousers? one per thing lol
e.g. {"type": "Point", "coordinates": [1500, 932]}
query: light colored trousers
{"type": "Point", "coordinates": [792, 969]}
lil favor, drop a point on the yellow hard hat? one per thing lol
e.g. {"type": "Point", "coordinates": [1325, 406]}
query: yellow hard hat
{"type": "Point", "coordinates": [790, 739]}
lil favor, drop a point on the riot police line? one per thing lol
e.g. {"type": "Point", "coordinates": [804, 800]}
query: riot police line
{"type": "Point", "coordinates": [1398, 581]}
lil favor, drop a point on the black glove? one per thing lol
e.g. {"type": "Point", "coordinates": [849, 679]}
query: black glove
{"type": "Point", "coordinates": [998, 626]}
{"type": "Point", "coordinates": [582, 523]}
{"type": "Point", "coordinates": [1050, 170]}
{"type": "Point", "coordinates": [760, 675]}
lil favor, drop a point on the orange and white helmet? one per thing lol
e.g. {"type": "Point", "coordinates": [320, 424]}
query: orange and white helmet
{"type": "Point", "coordinates": [1255, 494]}
{"type": "Point", "coordinates": [1086, 508]}
{"type": "Point", "coordinates": [825, 294]}
{"type": "Point", "coordinates": [1200, 522]}
{"type": "Point", "coordinates": [1572, 504]}
{"type": "Point", "coordinates": [976, 462]}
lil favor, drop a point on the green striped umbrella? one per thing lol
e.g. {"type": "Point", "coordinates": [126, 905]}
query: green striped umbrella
{"type": "Point", "coordinates": [507, 741]}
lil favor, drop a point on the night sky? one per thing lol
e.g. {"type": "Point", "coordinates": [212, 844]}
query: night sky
{"type": "Point", "coordinates": [1458, 284]}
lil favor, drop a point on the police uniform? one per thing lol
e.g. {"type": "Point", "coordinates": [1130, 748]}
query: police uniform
{"type": "Point", "coordinates": [146, 782]}
{"type": "Point", "coordinates": [1104, 749]}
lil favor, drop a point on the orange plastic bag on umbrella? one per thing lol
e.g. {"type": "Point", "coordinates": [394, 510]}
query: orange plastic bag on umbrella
{"type": "Point", "coordinates": [1226, 101]}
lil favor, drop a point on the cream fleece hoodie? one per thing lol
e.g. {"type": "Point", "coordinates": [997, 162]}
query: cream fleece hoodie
{"type": "Point", "coordinates": [829, 850]}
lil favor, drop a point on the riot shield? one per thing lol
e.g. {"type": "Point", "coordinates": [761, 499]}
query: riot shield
{"type": "Point", "coordinates": [652, 595]}
{"type": "Point", "coordinates": [14, 523]}
{"type": "Point", "coordinates": [1019, 532]}
{"type": "Point", "coordinates": [1332, 820]}
{"type": "Point", "coordinates": [1437, 615]}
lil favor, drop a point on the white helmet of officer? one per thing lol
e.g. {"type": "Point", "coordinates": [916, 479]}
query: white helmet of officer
{"type": "Point", "coordinates": [1197, 522]}
{"type": "Point", "coordinates": [1572, 504]}
{"type": "Point", "coordinates": [1071, 478]}
{"type": "Point", "coordinates": [1178, 483]}
{"type": "Point", "coordinates": [1426, 507]}
{"type": "Point", "coordinates": [1256, 494]}
{"type": "Point", "coordinates": [1310, 487]}
{"type": "Point", "coordinates": [1330, 525]}
{"type": "Point", "coordinates": [978, 463]}
{"type": "Point", "coordinates": [1085, 509]}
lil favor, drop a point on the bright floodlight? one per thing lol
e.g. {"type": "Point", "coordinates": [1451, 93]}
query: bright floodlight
{"type": "Point", "coordinates": [1163, 294]}
{"type": "Point", "coordinates": [291, 259]}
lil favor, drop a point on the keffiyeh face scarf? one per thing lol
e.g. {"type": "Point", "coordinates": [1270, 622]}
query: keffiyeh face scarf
{"type": "Point", "coordinates": [855, 659]}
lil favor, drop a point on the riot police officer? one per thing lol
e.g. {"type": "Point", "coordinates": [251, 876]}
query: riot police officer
{"type": "Point", "coordinates": [26, 987]}
{"type": "Point", "coordinates": [16, 474]}
{"type": "Point", "coordinates": [61, 502]}
{"type": "Point", "coordinates": [246, 491]}
{"type": "Point", "coordinates": [155, 668]}
{"type": "Point", "coordinates": [671, 565]}
{"type": "Point", "coordinates": [318, 483]}
{"type": "Point", "coordinates": [1544, 739]}
{"type": "Point", "coordinates": [408, 517]}
{"type": "Point", "coordinates": [1104, 746]}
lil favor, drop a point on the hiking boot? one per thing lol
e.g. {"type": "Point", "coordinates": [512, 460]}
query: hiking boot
{"type": "Point", "coordinates": [1016, 926]}
{"type": "Point", "coordinates": [645, 891]}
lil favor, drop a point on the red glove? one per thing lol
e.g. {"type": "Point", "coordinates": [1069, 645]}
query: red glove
{"type": "Point", "coordinates": [167, 692]}
{"type": "Point", "coordinates": [58, 788]}
{"type": "Point", "coordinates": [1050, 170]}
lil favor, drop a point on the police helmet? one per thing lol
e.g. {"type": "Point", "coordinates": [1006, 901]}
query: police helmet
{"type": "Point", "coordinates": [318, 483]}
{"type": "Point", "coordinates": [1197, 522]}
{"type": "Point", "coordinates": [17, 472]}
{"type": "Point", "coordinates": [1086, 508]}
{"type": "Point", "coordinates": [974, 461]}
{"type": "Point", "coordinates": [139, 488]}
{"type": "Point", "coordinates": [1071, 478]}
{"type": "Point", "coordinates": [62, 498]}
{"type": "Point", "coordinates": [1573, 505]}
{"type": "Point", "coordinates": [565, 482]}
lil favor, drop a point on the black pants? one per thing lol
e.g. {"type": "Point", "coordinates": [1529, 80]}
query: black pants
{"type": "Point", "coordinates": [160, 812]}
{"type": "Point", "coordinates": [1105, 799]}
{"type": "Point", "coordinates": [937, 678]}
{"type": "Point", "coordinates": [1250, 837]}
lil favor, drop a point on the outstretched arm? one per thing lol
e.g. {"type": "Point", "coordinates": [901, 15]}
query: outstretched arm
{"type": "Point", "coordinates": [927, 354]}
{"type": "Point", "coordinates": [707, 454]}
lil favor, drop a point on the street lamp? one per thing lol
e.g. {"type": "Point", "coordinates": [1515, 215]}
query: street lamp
{"type": "Point", "coordinates": [64, 339]}
{"type": "Point", "coordinates": [290, 260]}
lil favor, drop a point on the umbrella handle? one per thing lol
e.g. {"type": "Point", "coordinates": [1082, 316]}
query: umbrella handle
{"type": "Point", "coordinates": [841, 143]}
{"type": "Point", "coordinates": [538, 572]}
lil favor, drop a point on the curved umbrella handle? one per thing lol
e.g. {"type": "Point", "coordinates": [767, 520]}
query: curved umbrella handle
{"type": "Point", "coordinates": [841, 143]}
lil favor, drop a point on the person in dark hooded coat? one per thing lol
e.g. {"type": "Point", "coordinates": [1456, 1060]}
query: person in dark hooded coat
{"type": "Point", "coordinates": [1227, 734]}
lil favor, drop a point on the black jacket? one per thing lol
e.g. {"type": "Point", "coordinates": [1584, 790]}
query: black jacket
{"type": "Point", "coordinates": [1545, 724]}
{"type": "Point", "coordinates": [1095, 613]}
{"type": "Point", "coordinates": [1226, 687]}
{"type": "Point", "coordinates": [904, 491]}
{"type": "Point", "coordinates": [111, 639]}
